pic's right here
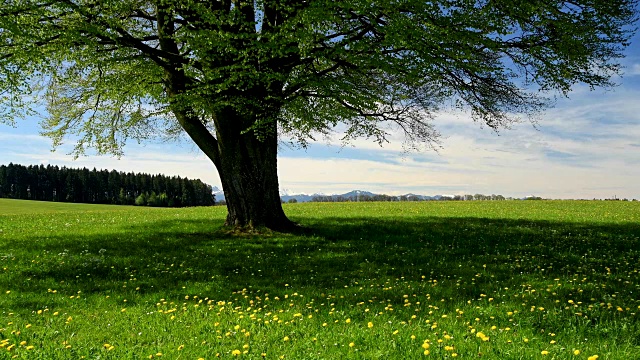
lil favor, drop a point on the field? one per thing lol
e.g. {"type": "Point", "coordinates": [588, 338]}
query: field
{"type": "Point", "coordinates": [489, 280]}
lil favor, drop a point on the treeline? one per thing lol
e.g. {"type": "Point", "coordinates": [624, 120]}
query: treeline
{"type": "Point", "coordinates": [52, 183]}
{"type": "Point", "coordinates": [363, 197]}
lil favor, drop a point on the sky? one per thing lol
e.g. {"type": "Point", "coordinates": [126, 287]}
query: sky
{"type": "Point", "coordinates": [587, 146]}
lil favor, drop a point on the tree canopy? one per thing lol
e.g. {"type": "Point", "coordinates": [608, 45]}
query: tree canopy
{"type": "Point", "coordinates": [234, 75]}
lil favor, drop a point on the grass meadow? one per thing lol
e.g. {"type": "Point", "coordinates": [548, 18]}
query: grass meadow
{"type": "Point", "coordinates": [472, 280]}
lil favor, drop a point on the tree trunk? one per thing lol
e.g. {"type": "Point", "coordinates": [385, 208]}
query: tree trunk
{"type": "Point", "coordinates": [247, 166]}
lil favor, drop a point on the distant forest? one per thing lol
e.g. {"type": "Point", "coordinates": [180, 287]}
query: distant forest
{"type": "Point", "coordinates": [52, 183]}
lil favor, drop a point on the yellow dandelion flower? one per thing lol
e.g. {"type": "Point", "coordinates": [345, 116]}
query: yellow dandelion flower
{"type": "Point", "coordinates": [593, 357]}
{"type": "Point", "coordinates": [426, 352]}
{"type": "Point", "coordinates": [348, 321]}
{"type": "Point", "coordinates": [370, 324]}
{"type": "Point", "coordinates": [23, 343]}
{"type": "Point", "coordinates": [236, 352]}
{"type": "Point", "coordinates": [180, 347]}
{"type": "Point", "coordinates": [576, 352]}
{"type": "Point", "coordinates": [425, 346]}
{"type": "Point", "coordinates": [286, 338]}
{"type": "Point", "coordinates": [544, 352]}
{"type": "Point", "coordinates": [30, 347]}
{"type": "Point", "coordinates": [351, 344]}
{"type": "Point", "coordinates": [27, 326]}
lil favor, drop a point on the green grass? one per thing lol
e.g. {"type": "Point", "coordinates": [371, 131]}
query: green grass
{"type": "Point", "coordinates": [16, 207]}
{"type": "Point", "coordinates": [370, 280]}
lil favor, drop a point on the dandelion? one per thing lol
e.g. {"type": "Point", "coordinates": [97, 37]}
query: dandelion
{"type": "Point", "coordinates": [482, 336]}
{"type": "Point", "coordinates": [426, 352]}
{"type": "Point", "coordinates": [425, 346]}
{"type": "Point", "coordinates": [593, 357]}
{"type": "Point", "coordinates": [23, 343]}
{"type": "Point", "coordinates": [370, 325]}
{"type": "Point", "coordinates": [180, 347]}
{"type": "Point", "coordinates": [236, 352]}
{"type": "Point", "coordinates": [286, 338]}
{"type": "Point", "coordinates": [576, 352]}
{"type": "Point", "coordinates": [352, 344]}
{"type": "Point", "coordinates": [544, 352]}
{"type": "Point", "coordinates": [348, 321]}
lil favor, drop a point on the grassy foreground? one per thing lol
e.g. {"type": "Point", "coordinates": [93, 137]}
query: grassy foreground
{"type": "Point", "coordinates": [490, 280]}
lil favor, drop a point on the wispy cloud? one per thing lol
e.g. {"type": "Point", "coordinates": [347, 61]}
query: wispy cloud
{"type": "Point", "coordinates": [585, 147]}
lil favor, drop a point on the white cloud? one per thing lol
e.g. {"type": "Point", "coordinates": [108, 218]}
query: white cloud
{"type": "Point", "coordinates": [586, 147]}
{"type": "Point", "coordinates": [633, 70]}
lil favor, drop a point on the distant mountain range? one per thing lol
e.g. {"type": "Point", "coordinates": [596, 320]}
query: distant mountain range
{"type": "Point", "coordinates": [354, 194]}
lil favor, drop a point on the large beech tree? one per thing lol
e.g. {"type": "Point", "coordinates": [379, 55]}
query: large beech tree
{"type": "Point", "coordinates": [235, 75]}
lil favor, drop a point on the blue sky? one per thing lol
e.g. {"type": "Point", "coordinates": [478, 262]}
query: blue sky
{"type": "Point", "coordinates": [587, 146]}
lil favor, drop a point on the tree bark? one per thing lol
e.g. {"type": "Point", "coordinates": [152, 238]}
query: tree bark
{"type": "Point", "coordinates": [248, 169]}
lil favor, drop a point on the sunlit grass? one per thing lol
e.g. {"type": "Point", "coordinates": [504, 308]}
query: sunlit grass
{"type": "Point", "coordinates": [492, 280]}
{"type": "Point", "coordinates": [15, 207]}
